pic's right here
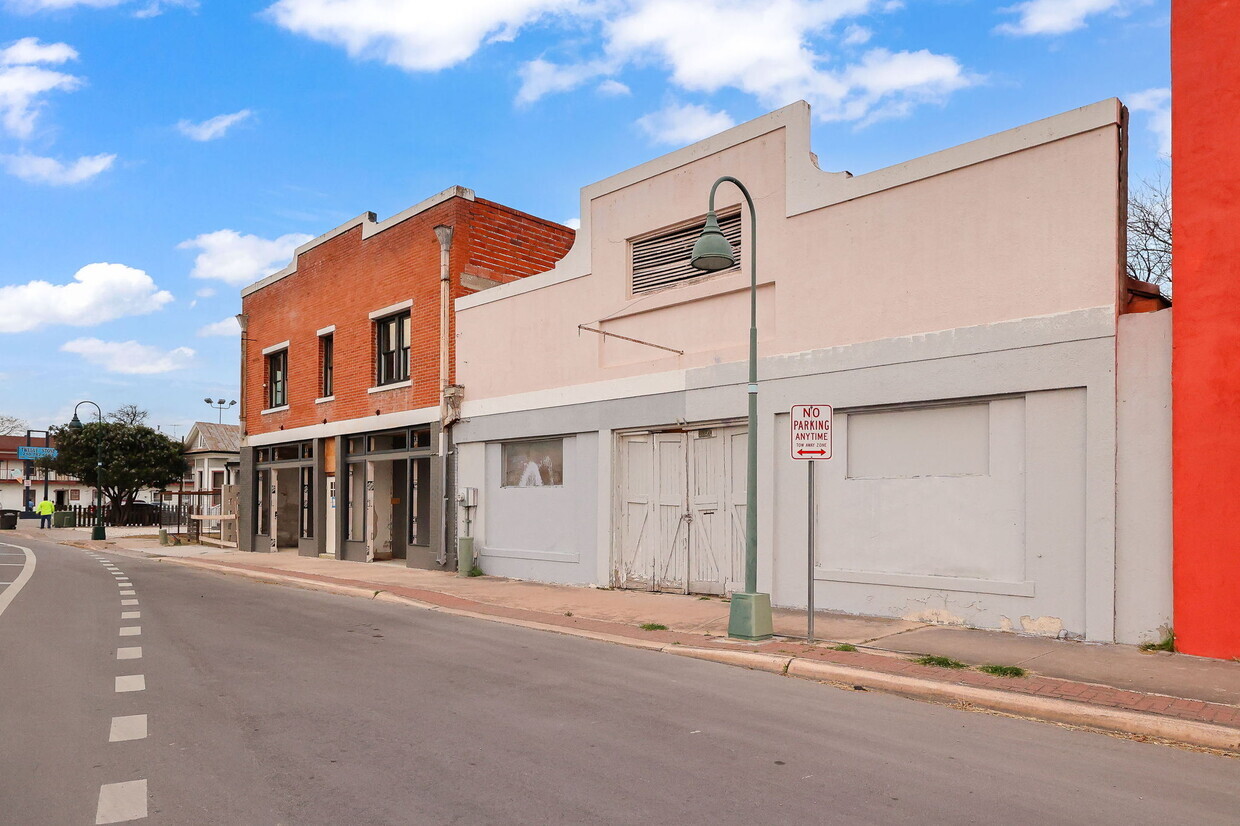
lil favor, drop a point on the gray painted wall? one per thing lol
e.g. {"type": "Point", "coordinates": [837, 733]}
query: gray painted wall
{"type": "Point", "coordinates": [1143, 540]}
{"type": "Point", "coordinates": [1029, 546]}
{"type": "Point", "coordinates": [541, 533]}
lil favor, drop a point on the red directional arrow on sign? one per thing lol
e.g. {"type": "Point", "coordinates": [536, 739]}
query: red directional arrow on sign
{"type": "Point", "coordinates": [817, 452]}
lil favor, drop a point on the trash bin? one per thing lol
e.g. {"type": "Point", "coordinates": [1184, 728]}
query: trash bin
{"type": "Point", "coordinates": [64, 519]}
{"type": "Point", "coordinates": [8, 520]}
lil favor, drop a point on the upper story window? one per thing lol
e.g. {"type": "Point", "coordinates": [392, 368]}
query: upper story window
{"type": "Point", "coordinates": [277, 378]}
{"type": "Point", "coordinates": [327, 347]}
{"type": "Point", "coordinates": [392, 339]}
{"type": "Point", "coordinates": [661, 259]}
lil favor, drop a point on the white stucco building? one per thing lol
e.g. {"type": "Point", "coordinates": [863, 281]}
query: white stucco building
{"type": "Point", "coordinates": [1001, 435]}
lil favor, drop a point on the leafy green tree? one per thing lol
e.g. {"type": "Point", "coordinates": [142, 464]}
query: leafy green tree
{"type": "Point", "coordinates": [134, 457]}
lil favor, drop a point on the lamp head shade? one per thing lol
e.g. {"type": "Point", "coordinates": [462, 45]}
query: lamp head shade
{"type": "Point", "coordinates": [75, 423]}
{"type": "Point", "coordinates": [712, 252]}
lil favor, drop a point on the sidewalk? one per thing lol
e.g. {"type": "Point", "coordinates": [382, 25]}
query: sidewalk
{"type": "Point", "coordinates": [1113, 687]}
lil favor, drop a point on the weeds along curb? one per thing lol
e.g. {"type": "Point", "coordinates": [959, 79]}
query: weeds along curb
{"type": "Point", "coordinates": [1048, 709]}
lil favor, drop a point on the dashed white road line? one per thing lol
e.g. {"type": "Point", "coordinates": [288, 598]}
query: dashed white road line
{"type": "Point", "coordinates": [131, 630]}
{"type": "Point", "coordinates": [131, 615]}
{"type": "Point", "coordinates": [131, 682]}
{"type": "Point", "coordinates": [131, 653]}
{"type": "Point", "coordinates": [128, 593]}
{"type": "Point", "coordinates": [119, 802]}
{"type": "Point", "coordinates": [15, 587]}
{"type": "Point", "coordinates": [131, 727]}
{"type": "Point", "coordinates": [129, 602]}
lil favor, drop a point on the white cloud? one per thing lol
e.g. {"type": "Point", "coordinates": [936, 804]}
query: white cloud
{"type": "Point", "coordinates": [129, 357]}
{"type": "Point", "coordinates": [1055, 16]}
{"type": "Point", "coordinates": [539, 78]}
{"type": "Point", "coordinates": [856, 35]}
{"type": "Point", "coordinates": [36, 169]}
{"type": "Point", "coordinates": [613, 88]}
{"type": "Point", "coordinates": [572, 223]}
{"type": "Point", "coordinates": [24, 82]}
{"type": "Point", "coordinates": [98, 293]}
{"type": "Point", "coordinates": [415, 39]}
{"type": "Point", "coordinates": [34, 6]}
{"type": "Point", "coordinates": [223, 327]}
{"type": "Point", "coordinates": [29, 50]}
{"type": "Point", "coordinates": [150, 9]}
{"type": "Point", "coordinates": [1157, 102]}
{"type": "Point", "coordinates": [888, 84]}
{"type": "Point", "coordinates": [239, 259]}
{"type": "Point", "coordinates": [770, 49]}
{"type": "Point", "coordinates": [205, 292]}
{"type": "Point", "coordinates": [766, 49]}
{"type": "Point", "coordinates": [677, 124]}
{"type": "Point", "coordinates": [212, 128]}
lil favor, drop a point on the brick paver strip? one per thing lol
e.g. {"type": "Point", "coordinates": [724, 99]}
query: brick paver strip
{"type": "Point", "coordinates": [1086, 693]}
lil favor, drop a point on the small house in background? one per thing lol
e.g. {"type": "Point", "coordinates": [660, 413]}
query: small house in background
{"type": "Point", "coordinates": [213, 452]}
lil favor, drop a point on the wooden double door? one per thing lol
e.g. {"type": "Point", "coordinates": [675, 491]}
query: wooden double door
{"type": "Point", "coordinates": [680, 501]}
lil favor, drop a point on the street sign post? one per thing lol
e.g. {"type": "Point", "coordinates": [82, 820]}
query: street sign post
{"type": "Point", "coordinates": [809, 442]}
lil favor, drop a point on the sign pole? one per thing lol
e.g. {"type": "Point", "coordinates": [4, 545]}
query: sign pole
{"type": "Point", "coordinates": [810, 431]}
{"type": "Point", "coordinates": [810, 613]}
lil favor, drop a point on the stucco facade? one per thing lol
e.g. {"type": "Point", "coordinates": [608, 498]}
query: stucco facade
{"type": "Point", "coordinates": [960, 311]}
{"type": "Point", "coordinates": [1205, 118]}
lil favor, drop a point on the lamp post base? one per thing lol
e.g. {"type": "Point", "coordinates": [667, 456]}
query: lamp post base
{"type": "Point", "coordinates": [98, 532]}
{"type": "Point", "coordinates": [750, 617]}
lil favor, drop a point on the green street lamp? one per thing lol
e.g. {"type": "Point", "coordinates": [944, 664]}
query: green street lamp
{"type": "Point", "coordinates": [98, 531]}
{"type": "Point", "coordinates": [750, 615]}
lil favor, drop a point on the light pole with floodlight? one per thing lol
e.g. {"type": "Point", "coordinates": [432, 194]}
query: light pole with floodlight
{"type": "Point", "coordinates": [750, 614]}
{"type": "Point", "coordinates": [98, 531]}
{"type": "Point", "coordinates": [220, 406]}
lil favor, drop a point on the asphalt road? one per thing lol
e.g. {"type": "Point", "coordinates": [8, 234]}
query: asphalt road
{"type": "Point", "coordinates": [266, 704]}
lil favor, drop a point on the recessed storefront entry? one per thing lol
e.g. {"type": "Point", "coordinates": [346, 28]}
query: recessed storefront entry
{"type": "Point", "coordinates": [681, 511]}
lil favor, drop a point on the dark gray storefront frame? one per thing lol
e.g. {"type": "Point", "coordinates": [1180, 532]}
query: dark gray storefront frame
{"type": "Point", "coordinates": [250, 540]}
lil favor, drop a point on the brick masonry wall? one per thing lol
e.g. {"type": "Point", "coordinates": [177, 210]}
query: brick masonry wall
{"type": "Point", "coordinates": [341, 281]}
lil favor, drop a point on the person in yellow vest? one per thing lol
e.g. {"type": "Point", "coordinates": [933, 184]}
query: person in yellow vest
{"type": "Point", "coordinates": [45, 509]}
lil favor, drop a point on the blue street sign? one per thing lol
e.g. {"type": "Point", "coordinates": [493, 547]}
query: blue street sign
{"type": "Point", "coordinates": [32, 453]}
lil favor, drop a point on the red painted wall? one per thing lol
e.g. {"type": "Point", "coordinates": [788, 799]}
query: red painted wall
{"type": "Point", "coordinates": [345, 278]}
{"type": "Point", "coordinates": [1205, 169]}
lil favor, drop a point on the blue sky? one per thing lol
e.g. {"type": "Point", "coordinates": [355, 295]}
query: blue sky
{"type": "Point", "coordinates": [157, 155]}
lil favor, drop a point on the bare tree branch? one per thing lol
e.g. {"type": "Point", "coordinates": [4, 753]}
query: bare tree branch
{"type": "Point", "coordinates": [1149, 231]}
{"type": "Point", "coordinates": [11, 425]}
{"type": "Point", "coordinates": [129, 414]}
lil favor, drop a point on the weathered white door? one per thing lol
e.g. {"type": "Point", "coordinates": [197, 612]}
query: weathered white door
{"type": "Point", "coordinates": [671, 547]}
{"type": "Point", "coordinates": [715, 476]}
{"type": "Point", "coordinates": [633, 557]}
{"type": "Point", "coordinates": [677, 508]}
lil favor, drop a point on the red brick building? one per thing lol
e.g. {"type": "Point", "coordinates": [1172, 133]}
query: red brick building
{"type": "Point", "coordinates": [348, 383]}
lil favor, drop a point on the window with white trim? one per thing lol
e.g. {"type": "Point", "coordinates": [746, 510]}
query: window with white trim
{"type": "Point", "coordinates": [392, 343]}
{"type": "Point", "coordinates": [277, 379]}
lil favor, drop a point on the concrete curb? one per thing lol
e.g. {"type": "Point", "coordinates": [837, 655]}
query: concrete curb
{"type": "Point", "coordinates": [745, 659]}
{"type": "Point", "coordinates": [1048, 709]}
{"type": "Point", "coordinates": [277, 579]}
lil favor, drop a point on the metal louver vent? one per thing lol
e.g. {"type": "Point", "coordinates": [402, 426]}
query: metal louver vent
{"type": "Point", "coordinates": [663, 260]}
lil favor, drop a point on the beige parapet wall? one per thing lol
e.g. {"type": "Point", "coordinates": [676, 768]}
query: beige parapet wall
{"type": "Point", "coordinates": [959, 309]}
{"type": "Point", "coordinates": [1020, 224]}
